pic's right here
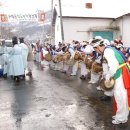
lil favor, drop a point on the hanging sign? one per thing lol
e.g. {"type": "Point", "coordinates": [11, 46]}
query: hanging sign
{"type": "Point", "coordinates": [39, 17]}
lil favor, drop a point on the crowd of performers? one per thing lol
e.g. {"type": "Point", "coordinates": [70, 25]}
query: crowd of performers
{"type": "Point", "coordinates": [15, 59]}
{"type": "Point", "coordinates": [105, 63]}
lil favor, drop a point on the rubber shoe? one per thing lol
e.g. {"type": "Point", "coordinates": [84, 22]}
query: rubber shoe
{"type": "Point", "coordinates": [99, 88]}
{"type": "Point", "coordinates": [72, 74]}
{"type": "Point", "coordinates": [115, 122]}
{"type": "Point", "coordinates": [91, 82]}
{"type": "Point", "coordinates": [113, 117]}
{"type": "Point", "coordinates": [83, 77]}
{"type": "Point", "coordinates": [105, 98]}
{"type": "Point", "coordinates": [63, 71]}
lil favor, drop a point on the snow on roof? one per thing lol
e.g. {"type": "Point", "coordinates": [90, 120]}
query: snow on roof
{"type": "Point", "coordinates": [105, 9]}
{"type": "Point", "coordinates": [84, 12]}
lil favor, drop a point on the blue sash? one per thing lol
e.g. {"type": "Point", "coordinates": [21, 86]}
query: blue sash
{"type": "Point", "coordinates": [122, 55]}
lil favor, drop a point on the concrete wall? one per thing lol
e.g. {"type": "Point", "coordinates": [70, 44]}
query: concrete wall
{"type": "Point", "coordinates": [57, 31]}
{"type": "Point", "coordinates": [124, 24]}
{"type": "Point", "coordinates": [81, 28]}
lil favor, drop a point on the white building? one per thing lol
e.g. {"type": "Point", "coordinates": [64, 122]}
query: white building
{"type": "Point", "coordinates": [124, 25]}
{"type": "Point", "coordinates": [82, 24]}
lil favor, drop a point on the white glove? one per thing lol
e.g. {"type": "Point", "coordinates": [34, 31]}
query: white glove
{"type": "Point", "coordinates": [107, 77]}
{"type": "Point", "coordinates": [71, 58]}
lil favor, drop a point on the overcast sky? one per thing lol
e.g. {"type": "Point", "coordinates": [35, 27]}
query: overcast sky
{"type": "Point", "coordinates": [31, 6]}
{"type": "Point", "coordinates": [24, 6]}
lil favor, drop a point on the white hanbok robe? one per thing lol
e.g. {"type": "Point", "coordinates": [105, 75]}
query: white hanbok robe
{"type": "Point", "coordinates": [1, 53]}
{"type": "Point", "coordinates": [59, 65]}
{"type": "Point", "coordinates": [6, 59]}
{"type": "Point", "coordinates": [120, 93]}
{"type": "Point", "coordinates": [25, 52]}
{"type": "Point", "coordinates": [16, 65]}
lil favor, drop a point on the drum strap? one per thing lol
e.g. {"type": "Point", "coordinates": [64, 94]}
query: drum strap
{"type": "Point", "coordinates": [70, 48]}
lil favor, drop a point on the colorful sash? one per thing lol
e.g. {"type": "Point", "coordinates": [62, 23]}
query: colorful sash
{"type": "Point", "coordinates": [124, 70]}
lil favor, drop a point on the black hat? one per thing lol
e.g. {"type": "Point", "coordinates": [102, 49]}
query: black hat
{"type": "Point", "coordinates": [21, 39]}
{"type": "Point", "coordinates": [14, 40]}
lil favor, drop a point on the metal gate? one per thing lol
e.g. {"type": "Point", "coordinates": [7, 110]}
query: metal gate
{"type": "Point", "coordinates": [104, 34]}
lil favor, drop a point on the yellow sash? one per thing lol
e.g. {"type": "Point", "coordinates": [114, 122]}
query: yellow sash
{"type": "Point", "coordinates": [122, 65]}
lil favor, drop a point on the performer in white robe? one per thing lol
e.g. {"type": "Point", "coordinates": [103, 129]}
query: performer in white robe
{"type": "Point", "coordinates": [121, 90]}
{"type": "Point", "coordinates": [38, 52]}
{"type": "Point", "coordinates": [6, 59]}
{"type": "Point", "coordinates": [81, 63]}
{"type": "Point", "coordinates": [69, 62]}
{"type": "Point", "coordinates": [25, 51]}
{"type": "Point", "coordinates": [89, 50]}
{"type": "Point", "coordinates": [58, 65]}
{"type": "Point", "coordinates": [17, 66]}
{"type": "Point", "coordinates": [29, 59]}
{"type": "Point", "coordinates": [1, 53]}
{"type": "Point", "coordinates": [71, 50]}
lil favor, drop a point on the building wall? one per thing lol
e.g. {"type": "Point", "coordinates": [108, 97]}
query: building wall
{"type": "Point", "coordinates": [57, 31]}
{"type": "Point", "coordinates": [124, 24]}
{"type": "Point", "coordinates": [81, 28]}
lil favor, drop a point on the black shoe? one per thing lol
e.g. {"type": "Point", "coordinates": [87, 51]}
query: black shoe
{"type": "Point", "coordinates": [29, 74]}
{"type": "Point", "coordinates": [105, 98]}
{"type": "Point", "coordinates": [5, 76]}
{"type": "Point", "coordinates": [16, 78]}
{"type": "Point", "coordinates": [83, 77]}
{"type": "Point", "coordinates": [63, 72]}
{"type": "Point", "coordinates": [22, 76]}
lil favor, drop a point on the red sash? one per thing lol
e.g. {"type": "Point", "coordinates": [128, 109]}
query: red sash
{"type": "Point", "coordinates": [126, 81]}
{"type": "Point", "coordinates": [42, 57]}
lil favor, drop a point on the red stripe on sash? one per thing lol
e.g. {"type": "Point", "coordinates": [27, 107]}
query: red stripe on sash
{"type": "Point", "coordinates": [126, 81]}
{"type": "Point", "coordinates": [42, 57]}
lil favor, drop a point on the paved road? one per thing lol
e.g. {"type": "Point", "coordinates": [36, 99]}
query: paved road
{"type": "Point", "coordinates": [51, 100]}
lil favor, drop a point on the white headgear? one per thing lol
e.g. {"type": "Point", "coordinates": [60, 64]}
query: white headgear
{"type": "Point", "coordinates": [98, 37]}
{"type": "Point", "coordinates": [83, 43]}
{"type": "Point", "coordinates": [104, 42]}
{"type": "Point", "coordinates": [90, 41]}
{"type": "Point", "coordinates": [88, 49]}
{"type": "Point", "coordinates": [95, 40]}
{"type": "Point", "coordinates": [119, 46]}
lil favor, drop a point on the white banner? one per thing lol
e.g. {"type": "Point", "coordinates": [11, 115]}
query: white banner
{"type": "Point", "coordinates": [40, 17]}
{"type": "Point", "coordinates": [21, 17]}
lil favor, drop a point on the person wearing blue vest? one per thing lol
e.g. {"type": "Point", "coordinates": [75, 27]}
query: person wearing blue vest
{"type": "Point", "coordinates": [71, 50]}
{"type": "Point", "coordinates": [38, 52]}
{"type": "Point", "coordinates": [118, 71]}
{"type": "Point", "coordinates": [25, 51]}
{"type": "Point", "coordinates": [90, 51]}
{"type": "Point", "coordinates": [128, 53]}
{"type": "Point", "coordinates": [80, 49]}
{"type": "Point", "coordinates": [58, 51]}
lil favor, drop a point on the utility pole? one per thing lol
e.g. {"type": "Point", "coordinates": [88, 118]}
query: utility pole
{"type": "Point", "coordinates": [51, 21]}
{"type": "Point", "coordinates": [61, 22]}
{"type": "Point", "coordinates": [1, 5]}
